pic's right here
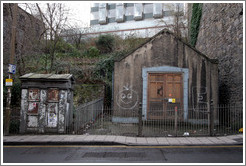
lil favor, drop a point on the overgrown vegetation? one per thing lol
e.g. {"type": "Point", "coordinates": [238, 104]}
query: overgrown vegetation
{"type": "Point", "coordinates": [105, 43]}
{"type": "Point", "coordinates": [87, 92]}
{"type": "Point", "coordinates": [91, 63]}
{"type": "Point", "coordinates": [195, 22]}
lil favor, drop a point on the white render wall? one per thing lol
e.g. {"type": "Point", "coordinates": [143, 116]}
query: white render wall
{"type": "Point", "coordinates": [138, 19]}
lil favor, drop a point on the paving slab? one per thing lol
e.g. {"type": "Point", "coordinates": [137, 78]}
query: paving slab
{"type": "Point", "coordinates": [194, 141]}
{"type": "Point", "coordinates": [68, 138]}
{"type": "Point", "coordinates": [57, 138]}
{"type": "Point", "coordinates": [141, 141]}
{"type": "Point", "coordinates": [100, 138]}
{"type": "Point", "coordinates": [215, 140]}
{"type": "Point", "coordinates": [227, 140]}
{"type": "Point", "coordinates": [11, 138]}
{"type": "Point", "coordinates": [162, 141]}
{"type": "Point", "coordinates": [110, 138]}
{"type": "Point", "coordinates": [89, 137]}
{"type": "Point", "coordinates": [205, 141]}
{"type": "Point", "coordinates": [184, 141]}
{"type": "Point", "coordinates": [131, 140]}
{"type": "Point", "coordinates": [172, 141]}
{"type": "Point", "coordinates": [78, 138]}
{"type": "Point", "coordinates": [120, 139]}
{"type": "Point", "coordinates": [151, 141]}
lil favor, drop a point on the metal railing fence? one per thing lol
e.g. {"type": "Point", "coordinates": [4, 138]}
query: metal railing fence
{"type": "Point", "coordinates": [93, 118]}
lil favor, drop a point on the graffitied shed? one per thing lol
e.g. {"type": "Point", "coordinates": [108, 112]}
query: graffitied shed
{"type": "Point", "coordinates": [46, 102]}
{"type": "Point", "coordinates": [165, 73]}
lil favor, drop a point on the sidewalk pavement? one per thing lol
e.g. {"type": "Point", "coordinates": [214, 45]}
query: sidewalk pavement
{"type": "Point", "coordinates": [121, 140]}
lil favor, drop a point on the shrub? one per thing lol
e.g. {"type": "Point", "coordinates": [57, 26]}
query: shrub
{"type": "Point", "coordinates": [92, 52]}
{"type": "Point", "coordinates": [14, 126]}
{"type": "Point", "coordinates": [105, 43]}
{"type": "Point", "coordinates": [104, 68]}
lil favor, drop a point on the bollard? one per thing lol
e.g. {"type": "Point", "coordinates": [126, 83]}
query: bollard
{"type": "Point", "coordinates": [140, 121]}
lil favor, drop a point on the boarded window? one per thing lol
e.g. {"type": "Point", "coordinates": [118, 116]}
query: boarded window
{"type": "Point", "coordinates": [33, 108]}
{"type": "Point", "coordinates": [52, 114]}
{"type": "Point", "coordinates": [53, 95]}
{"type": "Point", "coordinates": [34, 95]}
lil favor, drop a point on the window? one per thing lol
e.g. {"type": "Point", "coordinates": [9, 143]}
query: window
{"type": "Point", "coordinates": [53, 95]}
{"type": "Point", "coordinates": [120, 12]}
{"type": "Point", "coordinates": [103, 13]}
{"type": "Point", "coordinates": [148, 8]}
{"type": "Point", "coordinates": [138, 11]}
{"type": "Point", "coordinates": [157, 10]}
{"type": "Point", "coordinates": [129, 11]}
{"type": "Point", "coordinates": [33, 94]}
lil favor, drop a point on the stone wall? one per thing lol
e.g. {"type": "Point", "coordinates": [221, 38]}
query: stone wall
{"type": "Point", "coordinates": [29, 31]}
{"type": "Point", "coordinates": [221, 37]}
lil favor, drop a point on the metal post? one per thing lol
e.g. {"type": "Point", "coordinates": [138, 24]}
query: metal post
{"type": "Point", "coordinates": [209, 119]}
{"type": "Point", "coordinates": [176, 120]}
{"type": "Point", "coordinates": [140, 121]}
{"type": "Point", "coordinates": [11, 61]}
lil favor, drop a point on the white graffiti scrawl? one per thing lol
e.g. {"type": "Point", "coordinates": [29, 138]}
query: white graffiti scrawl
{"type": "Point", "coordinates": [127, 98]}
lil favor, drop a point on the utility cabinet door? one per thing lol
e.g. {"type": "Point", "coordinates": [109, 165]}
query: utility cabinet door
{"type": "Point", "coordinates": [52, 114]}
{"type": "Point", "coordinates": [33, 108]}
{"type": "Point", "coordinates": [165, 92]}
{"type": "Point", "coordinates": [52, 109]}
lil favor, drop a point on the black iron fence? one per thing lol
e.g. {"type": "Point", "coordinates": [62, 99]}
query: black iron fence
{"type": "Point", "coordinates": [94, 119]}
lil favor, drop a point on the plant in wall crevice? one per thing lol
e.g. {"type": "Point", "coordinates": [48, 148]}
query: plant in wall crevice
{"type": "Point", "coordinates": [195, 22]}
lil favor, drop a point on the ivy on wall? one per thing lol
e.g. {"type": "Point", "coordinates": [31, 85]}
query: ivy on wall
{"type": "Point", "coordinates": [195, 22]}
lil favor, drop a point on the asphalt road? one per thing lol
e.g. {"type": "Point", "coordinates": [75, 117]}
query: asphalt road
{"type": "Point", "coordinates": [122, 154]}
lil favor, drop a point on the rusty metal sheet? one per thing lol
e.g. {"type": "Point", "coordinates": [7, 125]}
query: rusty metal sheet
{"type": "Point", "coordinates": [52, 114]}
{"type": "Point", "coordinates": [34, 95]}
{"type": "Point", "coordinates": [53, 95]}
{"type": "Point", "coordinates": [33, 108]}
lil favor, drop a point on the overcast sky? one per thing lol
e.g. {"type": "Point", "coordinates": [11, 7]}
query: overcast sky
{"type": "Point", "coordinates": [79, 12]}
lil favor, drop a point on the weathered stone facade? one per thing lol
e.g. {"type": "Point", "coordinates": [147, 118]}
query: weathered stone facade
{"type": "Point", "coordinates": [163, 53]}
{"type": "Point", "coordinates": [221, 37]}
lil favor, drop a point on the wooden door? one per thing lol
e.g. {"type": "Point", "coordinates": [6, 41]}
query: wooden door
{"type": "Point", "coordinates": [165, 92]}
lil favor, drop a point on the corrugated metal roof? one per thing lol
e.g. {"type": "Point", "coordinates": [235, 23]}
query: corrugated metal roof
{"type": "Point", "coordinates": [46, 76]}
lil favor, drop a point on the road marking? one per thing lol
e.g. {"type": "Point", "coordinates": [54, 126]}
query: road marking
{"type": "Point", "coordinates": [116, 146]}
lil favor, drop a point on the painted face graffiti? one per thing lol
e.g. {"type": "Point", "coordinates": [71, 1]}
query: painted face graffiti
{"type": "Point", "coordinates": [127, 98]}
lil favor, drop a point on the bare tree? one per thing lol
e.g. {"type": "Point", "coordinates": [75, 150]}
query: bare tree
{"type": "Point", "coordinates": [177, 22]}
{"type": "Point", "coordinates": [75, 35]}
{"type": "Point", "coordinates": [55, 17]}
